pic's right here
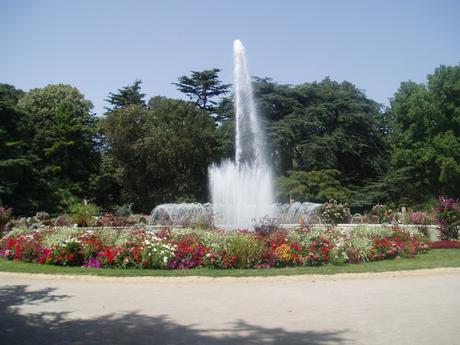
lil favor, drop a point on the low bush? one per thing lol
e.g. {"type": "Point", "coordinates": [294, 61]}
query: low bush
{"type": "Point", "coordinates": [83, 214]}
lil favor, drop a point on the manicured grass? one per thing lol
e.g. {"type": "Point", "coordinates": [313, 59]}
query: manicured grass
{"type": "Point", "coordinates": [433, 259]}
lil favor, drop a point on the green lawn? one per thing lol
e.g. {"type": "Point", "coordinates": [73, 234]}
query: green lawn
{"type": "Point", "coordinates": [433, 259]}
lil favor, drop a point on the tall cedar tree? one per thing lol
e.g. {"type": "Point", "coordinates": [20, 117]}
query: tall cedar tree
{"type": "Point", "coordinates": [202, 87]}
{"type": "Point", "coordinates": [128, 95]}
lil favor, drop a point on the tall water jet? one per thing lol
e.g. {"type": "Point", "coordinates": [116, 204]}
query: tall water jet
{"type": "Point", "coordinates": [242, 190]}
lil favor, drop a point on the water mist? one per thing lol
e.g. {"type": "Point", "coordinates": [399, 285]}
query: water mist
{"type": "Point", "coordinates": [242, 189]}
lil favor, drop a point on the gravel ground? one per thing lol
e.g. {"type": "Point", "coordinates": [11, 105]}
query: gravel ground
{"type": "Point", "coordinates": [409, 307]}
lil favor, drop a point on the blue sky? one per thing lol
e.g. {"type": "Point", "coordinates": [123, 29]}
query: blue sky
{"type": "Point", "coordinates": [100, 46]}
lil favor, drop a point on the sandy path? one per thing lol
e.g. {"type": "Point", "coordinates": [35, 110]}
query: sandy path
{"type": "Point", "coordinates": [412, 307]}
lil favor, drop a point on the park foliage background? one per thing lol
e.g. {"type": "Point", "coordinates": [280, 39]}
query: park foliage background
{"type": "Point", "coordinates": [327, 140]}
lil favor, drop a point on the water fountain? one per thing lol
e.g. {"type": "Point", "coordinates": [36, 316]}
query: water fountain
{"type": "Point", "coordinates": [305, 212]}
{"type": "Point", "coordinates": [241, 189]}
{"type": "Point", "coordinates": [184, 214]}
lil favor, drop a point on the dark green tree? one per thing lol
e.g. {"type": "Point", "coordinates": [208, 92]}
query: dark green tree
{"type": "Point", "coordinates": [322, 126]}
{"type": "Point", "coordinates": [425, 135]}
{"type": "Point", "coordinates": [315, 186]}
{"type": "Point", "coordinates": [128, 95]}
{"type": "Point", "coordinates": [203, 87]}
{"type": "Point", "coordinates": [276, 101]}
{"type": "Point", "coordinates": [64, 142]}
{"type": "Point", "coordinates": [18, 187]}
{"type": "Point", "coordinates": [327, 139]}
{"type": "Point", "coordinates": [105, 188]}
{"type": "Point", "coordinates": [162, 152]}
{"type": "Point", "coordinates": [224, 115]}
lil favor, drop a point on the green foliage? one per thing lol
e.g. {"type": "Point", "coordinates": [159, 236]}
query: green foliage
{"type": "Point", "coordinates": [390, 187]}
{"type": "Point", "coordinates": [128, 95]}
{"type": "Point", "coordinates": [105, 190]}
{"type": "Point", "coordinates": [327, 141]}
{"type": "Point", "coordinates": [425, 137]}
{"type": "Point", "coordinates": [225, 119]}
{"type": "Point", "coordinates": [161, 152]}
{"type": "Point", "coordinates": [327, 138]}
{"type": "Point", "coordinates": [202, 87]}
{"type": "Point", "coordinates": [63, 141]}
{"type": "Point", "coordinates": [317, 186]}
{"type": "Point", "coordinates": [124, 210]}
{"type": "Point", "coordinates": [17, 180]}
{"type": "Point", "coordinates": [324, 125]}
{"type": "Point", "coordinates": [246, 248]}
{"type": "Point", "coordinates": [83, 214]}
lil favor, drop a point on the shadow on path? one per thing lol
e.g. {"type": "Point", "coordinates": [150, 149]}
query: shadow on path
{"type": "Point", "coordinates": [129, 328]}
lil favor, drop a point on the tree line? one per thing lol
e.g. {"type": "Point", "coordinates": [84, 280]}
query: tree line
{"type": "Point", "coordinates": [327, 140]}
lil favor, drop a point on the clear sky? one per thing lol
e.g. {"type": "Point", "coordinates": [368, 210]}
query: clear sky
{"type": "Point", "coordinates": [102, 45]}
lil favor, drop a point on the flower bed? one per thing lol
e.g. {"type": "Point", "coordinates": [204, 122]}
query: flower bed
{"type": "Point", "coordinates": [445, 244]}
{"type": "Point", "coordinates": [189, 248]}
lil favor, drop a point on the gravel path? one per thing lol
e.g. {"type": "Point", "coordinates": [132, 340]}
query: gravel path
{"type": "Point", "coordinates": [413, 307]}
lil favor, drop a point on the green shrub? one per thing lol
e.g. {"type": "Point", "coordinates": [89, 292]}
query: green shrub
{"type": "Point", "coordinates": [246, 248]}
{"type": "Point", "coordinates": [83, 214]}
{"type": "Point", "coordinates": [124, 210]}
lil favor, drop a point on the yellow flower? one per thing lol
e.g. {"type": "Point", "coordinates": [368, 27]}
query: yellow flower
{"type": "Point", "coordinates": [284, 252]}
